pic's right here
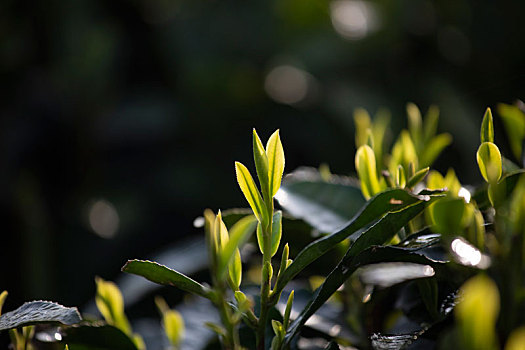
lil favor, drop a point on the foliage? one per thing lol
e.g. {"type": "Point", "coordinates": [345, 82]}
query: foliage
{"type": "Point", "coordinates": [425, 260]}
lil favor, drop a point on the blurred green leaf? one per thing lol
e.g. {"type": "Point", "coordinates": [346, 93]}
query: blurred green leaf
{"type": "Point", "coordinates": [514, 121]}
{"type": "Point", "coordinates": [35, 312]}
{"type": "Point", "coordinates": [239, 233]}
{"type": "Point", "coordinates": [161, 274]}
{"type": "Point", "coordinates": [111, 305]}
{"type": "Point", "coordinates": [447, 215]}
{"type": "Point", "coordinates": [489, 162]}
{"type": "Point", "coordinates": [365, 165]}
{"type": "Point", "coordinates": [477, 313]}
{"type": "Point", "coordinates": [434, 147]}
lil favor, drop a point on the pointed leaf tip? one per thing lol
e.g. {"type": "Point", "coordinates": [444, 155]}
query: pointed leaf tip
{"type": "Point", "coordinates": [487, 127]}
{"type": "Point", "coordinates": [275, 154]}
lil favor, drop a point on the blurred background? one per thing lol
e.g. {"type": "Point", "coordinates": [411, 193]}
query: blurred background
{"type": "Point", "coordinates": [121, 120]}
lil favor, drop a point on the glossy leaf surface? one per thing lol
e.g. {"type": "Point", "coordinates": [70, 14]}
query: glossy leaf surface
{"type": "Point", "coordinates": [361, 253]}
{"type": "Point", "coordinates": [35, 312]}
{"type": "Point", "coordinates": [389, 201]}
{"type": "Point", "coordinates": [161, 274]}
{"type": "Point", "coordinates": [250, 191]}
{"type": "Point", "coordinates": [325, 205]}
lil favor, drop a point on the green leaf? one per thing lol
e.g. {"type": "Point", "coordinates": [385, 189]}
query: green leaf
{"type": "Point", "coordinates": [277, 228]}
{"type": "Point", "coordinates": [288, 310]}
{"type": "Point", "coordinates": [260, 238]}
{"type": "Point", "coordinates": [489, 162]}
{"type": "Point", "coordinates": [434, 147]}
{"type": "Point", "coordinates": [239, 233]}
{"type": "Point", "coordinates": [275, 153]}
{"type": "Point", "coordinates": [362, 123]}
{"type": "Point", "coordinates": [365, 165]}
{"type": "Point", "coordinates": [477, 313]}
{"type": "Point", "coordinates": [415, 124]}
{"type": "Point", "coordinates": [161, 274]}
{"type": "Point", "coordinates": [173, 325]}
{"type": "Point", "coordinates": [36, 312]}
{"type": "Point", "coordinates": [514, 121]}
{"type": "Point", "coordinates": [390, 201]}
{"type": "Point", "coordinates": [261, 165]}
{"type": "Point", "coordinates": [430, 123]}
{"type": "Point", "coordinates": [111, 305]}
{"type": "Point", "coordinates": [362, 252]}
{"type": "Point", "coordinates": [235, 269]}
{"type": "Point", "coordinates": [487, 127]}
{"type": "Point", "coordinates": [447, 215]}
{"type": "Point", "coordinates": [3, 296]}
{"type": "Point", "coordinates": [324, 205]}
{"type": "Point", "coordinates": [250, 191]}
{"type": "Point", "coordinates": [418, 176]}
{"type": "Point", "coordinates": [400, 177]}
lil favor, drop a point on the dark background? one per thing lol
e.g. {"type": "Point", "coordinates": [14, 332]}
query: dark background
{"type": "Point", "coordinates": [145, 104]}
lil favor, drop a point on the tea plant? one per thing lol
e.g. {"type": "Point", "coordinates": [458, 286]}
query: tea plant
{"type": "Point", "coordinates": [416, 256]}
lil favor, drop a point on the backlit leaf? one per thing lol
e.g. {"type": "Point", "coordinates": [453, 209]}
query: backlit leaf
{"type": "Point", "coordinates": [250, 191]}
{"type": "Point", "coordinates": [239, 233]}
{"type": "Point", "coordinates": [261, 165]}
{"type": "Point", "coordinates": [365, 165]}
{"type": "Point", "coordinates": [275, 153]}
{"type": "Point", "coordinates": [276, 231]}
{"type": "Point", "coordinates": [487, 127]}
{"type": "Point", "coordinates": [489, 162]}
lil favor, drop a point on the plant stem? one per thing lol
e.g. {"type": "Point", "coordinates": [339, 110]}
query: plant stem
{"type": "Point", "coordinates": [265, 285]}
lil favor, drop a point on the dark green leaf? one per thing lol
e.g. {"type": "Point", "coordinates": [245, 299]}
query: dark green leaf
{"type": "Point", "coordinates": [388, 201]}
{"type": "Point", "coordinates": [360, 253]}
{"type": "Point", "coordinates": [35, 312]}
{"type": "Point", "coordinates": [277, 228]}
{"type": "Point", "coordinates": [161, 274]}
{"type": "Point", "coordinates": [326, 206]}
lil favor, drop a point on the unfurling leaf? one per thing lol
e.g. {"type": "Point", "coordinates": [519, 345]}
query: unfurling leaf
{"type": "Point", "coordinates": [235, 269]}
{"type": "Point", "coordinates": [250, 191]}
{"type": "Point", "coordinates": [487, 127]}
{"type": "Point", "coordinates": [365, 164]}
{"type": "Point", "coordinates": [489, 162]}
{"type": "Point", "coordinates": [417, 177]}
{"type": "Point", "coordinates": [239, 233]}
{"type": "Point", "coordinates": [275, 154]}
{"type": "Point", "coordinates": [261, 165]}
{"type": "Point", "coordinates": [288, 310]}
